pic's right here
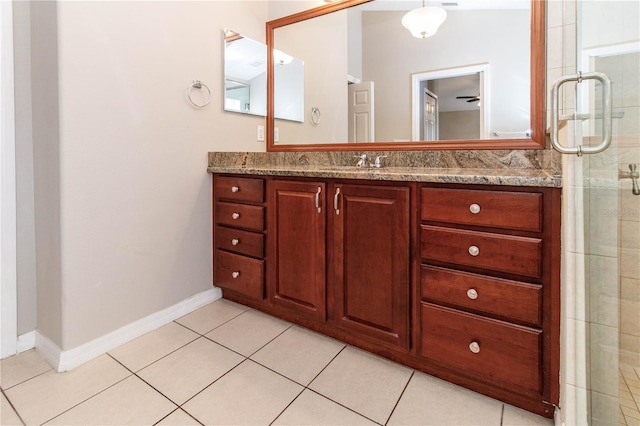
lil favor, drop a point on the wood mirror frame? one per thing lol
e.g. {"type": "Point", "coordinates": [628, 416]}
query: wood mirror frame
{"type": "Point", "coordinates": [537, 140]}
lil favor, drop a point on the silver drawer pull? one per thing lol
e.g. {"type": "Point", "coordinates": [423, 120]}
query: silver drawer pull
{"type": "Point", "coordinates": [235, 242]}
{"type": "Point", "coordinates": [235, 189]}
{"type": "Point", "coordinates": [474, 347]}
{"type": "Point", "coordinates": [235, 215]}
{"type": "Point", "coordinates": [235, 274]}
{"type": "Point", "coordinates": [474, 251]}
{"type": "Point", "coordinates": [472, 294]}
{"type": "Point", "coordinates": [474, 208]}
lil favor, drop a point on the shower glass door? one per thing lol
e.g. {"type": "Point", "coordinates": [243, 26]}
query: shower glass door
{"type": "Point", "coordinates": [608, 41]}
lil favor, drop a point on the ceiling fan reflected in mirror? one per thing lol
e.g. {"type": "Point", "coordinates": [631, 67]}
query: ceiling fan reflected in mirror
{"type": "Point", "coordinates": [469, 98]}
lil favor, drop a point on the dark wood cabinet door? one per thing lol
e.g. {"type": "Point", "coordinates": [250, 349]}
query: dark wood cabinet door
{"type": "Point", "coordinates": [296, 228]}
{"type": "Point", "coordinates": [370, 258]}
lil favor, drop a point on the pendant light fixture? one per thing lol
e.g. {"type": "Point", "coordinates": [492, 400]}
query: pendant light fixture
{"type": "Point", "coordinates": [424, 21]}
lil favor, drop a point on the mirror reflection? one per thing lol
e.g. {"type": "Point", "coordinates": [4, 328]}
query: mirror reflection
{"type": "Point", "coordinates": [245, 79]}
{"type": "Point", "coordinates": [373, 81]}
{"type": "Point", "coordinates": [245, 74]}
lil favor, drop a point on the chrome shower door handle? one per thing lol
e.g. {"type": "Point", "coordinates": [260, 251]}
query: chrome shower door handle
{"type": "Point", "coordinates": [607, 115]}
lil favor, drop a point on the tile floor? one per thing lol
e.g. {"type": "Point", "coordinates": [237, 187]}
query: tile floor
{"type": "Point", "coordinates": [629, 394]}
{"type": "Point", "coordinates": [228, 364]}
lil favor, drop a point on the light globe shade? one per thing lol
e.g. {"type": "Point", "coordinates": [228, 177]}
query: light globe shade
{"type": "Point", "coordinates": [423, 22]}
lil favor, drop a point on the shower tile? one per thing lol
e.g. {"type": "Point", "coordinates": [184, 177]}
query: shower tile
{"type": "Point", "coordinates": [629, 204]}
{"type": "Point", "coordinates": [554, 47]}
{"type": "Point", "coordinates": [603, 220]}
{"type": "Point", "coordinates": [631, 79]}
{"type": "Point", "coordinates": [603, 290]}
{"type": "Point", "coordinates": [630, 263]}
{"type": "Point", "coordinates": [554, 14]}
{"type": "Point", "coordinates": [604, 409]}
{"type": "Point", "coordinates": [604, 359]}
{"type": "Point", "coordinates": [630, 306]}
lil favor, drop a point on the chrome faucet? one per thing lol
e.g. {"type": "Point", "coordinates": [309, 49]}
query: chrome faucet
{"type": "Point", "coordinates": [365, 161]}
{"type": "Point", "coordinates": [632, 174]}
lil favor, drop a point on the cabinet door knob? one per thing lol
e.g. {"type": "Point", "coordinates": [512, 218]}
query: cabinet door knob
{"type": "Point", "coordinates": [235, 241]}
{"type": "Point", "coordinates": [474, 208]}
{"type": "Point", "coordinates": [235, 274]}
{"type": "Point", "coordinates": [235, 189]}
{"type": "Point", "coordinates": [472, 294]}
{"type": "Point", "coordinates": [235, 215]}
{"type": "Point", "coordinates": [474, 347]}
{"type": "Point", "coordinates": [474, 251]}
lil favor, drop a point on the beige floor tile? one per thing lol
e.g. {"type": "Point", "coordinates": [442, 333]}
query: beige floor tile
{"type": "Point", "coordinates": [249, 394]}
{"type": "Point", "coordinates": [298, 354]}
{"type": "Point", "coordinates": [21, 367]}
{"type": "Point", "coordinates": [313, 409]}
{"type": "Point", "coordinates": [178, 418]}
{"type": "Point", "coordinates": [631, 412]}
{"type": "Point", "coordinates": [513, 416]}
{"type": "Point", "coordinates": [152, 346]}
{"type": "Point", "coordinates": [46, 396]}
{"type": "Point", "coordinates": [431, 401]}
{"type": "Point", "coordinates": [363, 382]}
{"type": "Point", "coordinates": [130, 402]}
{"type": "Point", "coordinates": [211, 316]}
{"type": "Point", "coordinates": [185, 372]}
{"type": "Point", "coordinates": [248, 332]}
{"type": "Point", "coordinates": [8, 416]}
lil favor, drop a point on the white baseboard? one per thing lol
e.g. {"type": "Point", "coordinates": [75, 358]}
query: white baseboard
{"type": "Point", "coordinates": [67, 360]}
{"type": "Point", "coordinates": [26, 341]}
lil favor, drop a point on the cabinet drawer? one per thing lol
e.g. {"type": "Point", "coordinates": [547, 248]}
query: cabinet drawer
{"type": "Point", "coordinates": [490, 350]}
{"type": "Point", "coordinates": [495, 252]}
{"type": "Point", "coordinates": [240, 215]}
{"type": "Point", "coordinates": [506, 298]}
{"type": "Point", "coordinates": [509, 210]}
{"type": "Point", "coordinates": [238, 241]}
{"type": "Point", "coordinates": [239, 189]}
{"type": "Point", "coordinates": [238, 273]}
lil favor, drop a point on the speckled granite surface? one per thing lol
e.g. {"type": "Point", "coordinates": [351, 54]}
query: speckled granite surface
{"type": "Point", "coordinates": [519, 168]}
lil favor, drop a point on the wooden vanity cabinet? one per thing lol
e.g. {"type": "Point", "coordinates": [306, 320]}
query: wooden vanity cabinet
{"type": "Point", "coordinates": [238, 235]}
{"type": "Point", "coordinates": [340, 252]}
{"type": "Point", "coordinates": [488, 295]}
{"type": "Point", "coordinates": [370, 259]}
{"type": "Point", "coordinates": [296, 278]}
{"type": "Point", "coordinates": [458, 281]}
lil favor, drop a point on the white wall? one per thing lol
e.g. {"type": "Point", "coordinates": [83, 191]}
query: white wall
{"type": "Point", "coordinates": [495, 37]}
{"type": "Point", "coordinates": [122, 197]}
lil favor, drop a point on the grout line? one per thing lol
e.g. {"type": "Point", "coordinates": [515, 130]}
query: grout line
{"type": "Point", "coordinates": [87, 399]}
{"type": "Point", "coordinates": [12, 407]}
{"type": "Point", "coordinates": [502, 415]}
{"type": "Point", "coordinates": [413, 372]}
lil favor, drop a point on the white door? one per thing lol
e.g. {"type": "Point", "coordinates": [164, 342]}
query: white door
{"type": "Point", "coordinates": [361, 112]}
{"type": "Point", "coordinates": [430, 129]}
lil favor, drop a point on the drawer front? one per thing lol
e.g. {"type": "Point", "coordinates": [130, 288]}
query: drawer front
{"type": "Point", "coordinates": [238, 273]}
{"type": "Point", "coordinates": [240, 216]}
{"type": "Point", "coordinates": [509, 210]}
{"type": "Point", "coordinates": [510, 299]}
{"type": "Point", "coordinates": [238, 241]}
{"type": "Point", "coordinates": [239, 189]}
{"type": "Point", "coordinates": [495, 252]}
{"type": "Point", "coordinates": [490, 350]}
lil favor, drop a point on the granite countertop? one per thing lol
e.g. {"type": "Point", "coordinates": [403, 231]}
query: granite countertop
{"type": "Point", "coordinates": [447, 169]}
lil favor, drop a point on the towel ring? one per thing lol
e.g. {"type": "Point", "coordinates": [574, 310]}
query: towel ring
{"type": "Point", "coordinates": [197, 84]}
{"type": "Point", "coordinates": [315, 115]}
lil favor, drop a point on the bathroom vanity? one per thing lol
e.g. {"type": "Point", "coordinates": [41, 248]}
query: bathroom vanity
{"type": "Point", "coordinates": [454, 272]}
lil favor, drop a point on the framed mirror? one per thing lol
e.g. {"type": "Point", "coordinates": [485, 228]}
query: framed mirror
{"type": "Point", "coordinates": [245, 79]}
{"type": "Point", "coordinates": [477, 83]}
{"type": "Point", "coordinates": [245, 74]}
